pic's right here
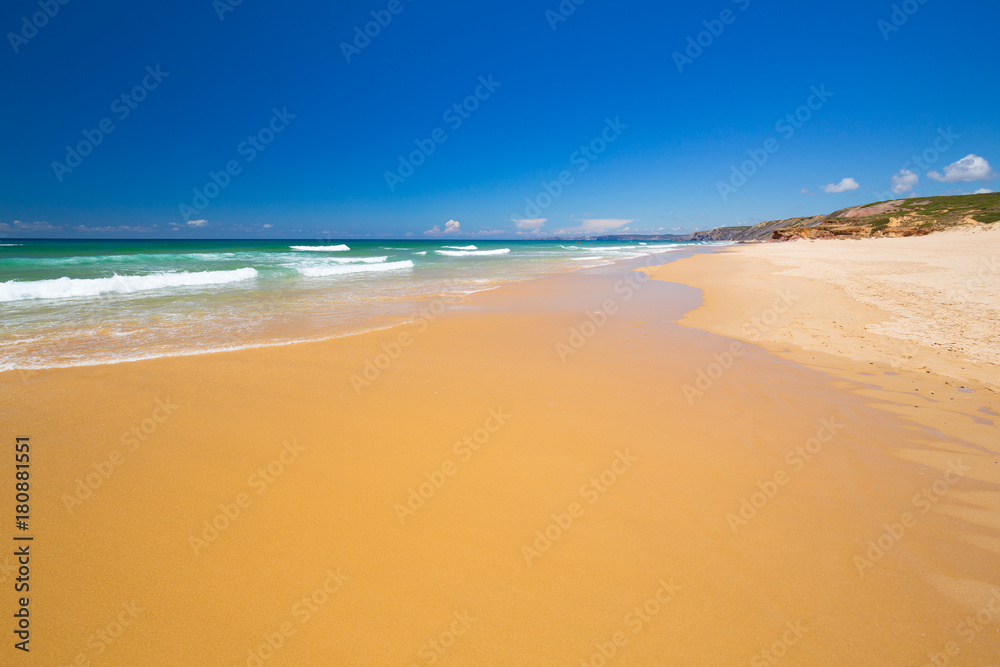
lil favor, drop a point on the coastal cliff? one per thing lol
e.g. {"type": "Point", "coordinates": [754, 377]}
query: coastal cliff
{"type": "Point", "coordinates": [918, 216]}
{"type": "Point", "coordinates": [904, 217]}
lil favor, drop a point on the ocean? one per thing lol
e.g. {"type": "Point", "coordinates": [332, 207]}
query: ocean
{"type": "Point", "coordinates": [84, 302]}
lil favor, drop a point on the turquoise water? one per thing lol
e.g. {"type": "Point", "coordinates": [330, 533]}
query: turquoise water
{"type": "Point", "coordinates": [70, 303]}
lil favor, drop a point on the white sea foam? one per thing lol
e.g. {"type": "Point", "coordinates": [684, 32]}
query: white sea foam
{"type": "Point", "coordinates": [461, 247]}
{"type": "Point", "coordinates": [22, 341]}
{"type": "Point", "coordinates": [140, 258]}
{"type": "Point", "coordinates": [132, 358]}
{"type": "Point", "coordinates": [322, 271]}
{"type": "Point", "coordinates": [10, 245]}
{"type": "Point", "coordinates": [467, 253]}
{"type": "Point", "coordinates": [320, 248]}
{"type": "Point", "coordinates": [422, 252]}
{"type": "Point", "coordinates": [63, 288]}
{"type": "Point", "coordinates": [359, 260]}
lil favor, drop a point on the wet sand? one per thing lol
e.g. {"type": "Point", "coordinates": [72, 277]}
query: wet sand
{"type": "Point", "coordinates": [519, 480]}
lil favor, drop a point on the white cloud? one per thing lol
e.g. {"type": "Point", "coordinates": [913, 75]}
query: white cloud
{"type": "Point", "coordinates": [982, 191]}
{"type": "Point", "coordinates": [268, 226]}
{"type": "Point", "coordinates": [595, 226]}
{"type": "Point", "coordinates": [845, 185]}
{"type": "Point", "coordinates": [603, 225]}
{"type": "Point", "coordinates": [970, 168]}
{"type": "Point", "coordinates": [109, 229]}
{"type": "Point", "coordinates": [37, 226]}
{"type": "Point", "coordinates": [197, 223]}
{"type": "Point", "coordinates": [529, 224]}
{"type": "Point", "coordinates": [450, 227]}
{"type": "Point", "coordinates": [805, 191]}
{"type": "Point", "coordinates": [904, 181]}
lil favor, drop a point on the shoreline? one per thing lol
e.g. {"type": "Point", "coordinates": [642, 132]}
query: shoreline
{"type": "Point", "coordinates": [829, 295]}
{"type": "Point", "coordinates": [545, 497]}
{"type": "Point", "coordinates": [400, 316]}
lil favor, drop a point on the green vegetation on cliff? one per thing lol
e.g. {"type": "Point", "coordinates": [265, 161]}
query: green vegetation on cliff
{"type": "Point", "coordinates": [904, 217]}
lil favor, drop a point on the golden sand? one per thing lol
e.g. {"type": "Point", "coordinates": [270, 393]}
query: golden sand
{"type": "Point", "coordinates": [521, 482]}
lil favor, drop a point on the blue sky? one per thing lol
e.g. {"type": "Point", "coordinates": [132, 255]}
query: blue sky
{"type": "Point", "coordinates": [572, 118]}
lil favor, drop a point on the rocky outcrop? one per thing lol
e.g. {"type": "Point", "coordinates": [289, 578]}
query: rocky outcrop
{"type": "Point", "coordinates": [761, 232]}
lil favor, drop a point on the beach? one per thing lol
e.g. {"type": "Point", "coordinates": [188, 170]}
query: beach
{"type": "Point", "coordinates": [500, 334]}
{"type": "Point", "coordinates": [707, 456]}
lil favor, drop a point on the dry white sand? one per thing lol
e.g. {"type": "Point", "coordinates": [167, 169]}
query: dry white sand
{"type": "Point", "coordinates": [939, 291]}
{"type": "Point", "coordinates": [927, 304]}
